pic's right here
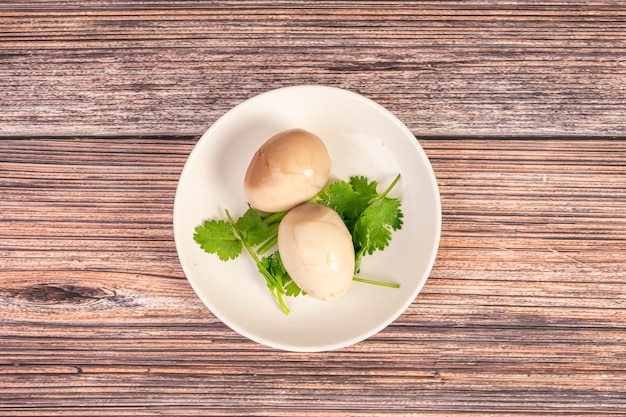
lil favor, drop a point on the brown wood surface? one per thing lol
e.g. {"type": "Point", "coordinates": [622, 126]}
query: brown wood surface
{"type": "Point", "coordinates": [519, 105]}
{"type": "Point", "coordinates": [444, 67]}
{"type": "Point", "coordinates": [524, 310]}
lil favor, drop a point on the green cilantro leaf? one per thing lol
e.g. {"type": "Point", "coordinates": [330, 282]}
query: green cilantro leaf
{"type": "Point", "coordinates": [274, 265]}
{"type": "Point", "coordinates": [372, 230]}
{"type": "Point", "coordinates": [266, 265]}
{"type": "Point", "coordinates": [217, 236]}
{"type": "Point", "coordinates": [369, 216]}
{"type": "Point", "coordinates": [364, 187]}
{"type": "Point", "coordinates": [341, 197]}
{"type": "Point", "coordinates": [254, 231]}
{"type": "Point", "coordinates": [338, 196]}
{"type": "Point", "coordinates": [292, 289]}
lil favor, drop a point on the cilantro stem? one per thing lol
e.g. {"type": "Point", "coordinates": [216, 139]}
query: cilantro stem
{"type": "Point", "coordinates": [278, 295]}
{"type": "Point", "coordinates": [268, 244]}
{"type": "Point", "coordinates": [388, 190]}
{"type": "Point", "coordinates": [275, 217]}
{"type": "Point", "coordinates": [381, 283]}
{"type": "Point", "coordinates": [273, 229]}
{"type": "Point", "coordinates": [273, 222]}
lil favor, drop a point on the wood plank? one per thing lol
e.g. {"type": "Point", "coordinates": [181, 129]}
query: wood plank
{"type": "Point", "coordinates": [444, 68]}
{"type": "Point", "coordinates": [524, 312]}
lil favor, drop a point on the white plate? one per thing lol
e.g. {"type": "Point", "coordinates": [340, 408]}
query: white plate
{"type": "Point", "coordinates": [363, 138]}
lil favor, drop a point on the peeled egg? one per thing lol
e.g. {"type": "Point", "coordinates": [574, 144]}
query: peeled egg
{"type": "Point", "coordinates": [317, 251]}
{"type": "Point", "coordinates": [288, 169]}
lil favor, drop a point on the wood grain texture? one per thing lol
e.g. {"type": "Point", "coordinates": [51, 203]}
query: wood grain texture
{"type": "Point", "coordinates": [444, 68]}
{"type": "Point", "coordinates": [524, 312]}
{"type": "Point", "coordinates": [102, 101]}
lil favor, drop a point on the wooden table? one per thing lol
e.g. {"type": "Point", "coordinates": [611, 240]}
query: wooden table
{"type": "Point", "coordinates": [520, 106]}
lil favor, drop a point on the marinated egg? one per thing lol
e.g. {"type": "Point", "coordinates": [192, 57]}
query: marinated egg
{"type": "Point", "coordinates": [317, 251]}
{"type": "Point", "coordinates": [288, 169]}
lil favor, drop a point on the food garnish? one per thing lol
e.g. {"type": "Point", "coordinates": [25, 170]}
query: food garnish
{"type": "Point", "coordinates": [369, 216]}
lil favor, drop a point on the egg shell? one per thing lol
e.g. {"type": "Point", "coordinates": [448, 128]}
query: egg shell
{"type": "Point", "coordinates": [317, 251]}
{"type": "Point", "coordinates": [288, 169]}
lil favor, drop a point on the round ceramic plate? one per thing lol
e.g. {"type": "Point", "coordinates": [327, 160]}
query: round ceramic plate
{"type": "Point", "coordinates": [362, 138]}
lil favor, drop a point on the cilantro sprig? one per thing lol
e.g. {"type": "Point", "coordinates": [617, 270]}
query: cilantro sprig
{"type": "Point", "coordinates": [370, 216]}
{"type": "Point", "coordinates": [227, 239]}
